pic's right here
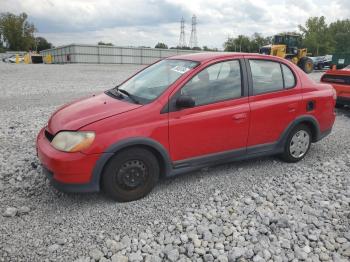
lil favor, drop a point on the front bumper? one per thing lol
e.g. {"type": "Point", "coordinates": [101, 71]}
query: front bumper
{"type": "Point", "coordinates": [69, 172]}
{"type": "Point", "coordinates": [70, 188]}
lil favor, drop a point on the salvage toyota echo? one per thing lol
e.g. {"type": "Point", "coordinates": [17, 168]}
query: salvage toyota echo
{"type": "Point", "coordinates": [181, 114]}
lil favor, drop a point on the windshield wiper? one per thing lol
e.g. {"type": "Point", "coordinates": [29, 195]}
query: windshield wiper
{"type": "Point", "coordinates": [128, 95]}
{"type": "Point", "coordinates": [115, 93]}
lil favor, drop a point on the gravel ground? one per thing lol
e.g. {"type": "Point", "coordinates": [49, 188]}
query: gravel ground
{"type": "Point", "coordinates": [259, 210]}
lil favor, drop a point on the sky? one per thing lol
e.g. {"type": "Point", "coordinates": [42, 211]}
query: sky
{"type": "Point", "coordinates": [145, 23]}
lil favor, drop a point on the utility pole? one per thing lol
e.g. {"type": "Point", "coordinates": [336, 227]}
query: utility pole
{"type": "Point", "coordinates": [182, 40]}
{"type": "Point", "coordinates": [193, 39]}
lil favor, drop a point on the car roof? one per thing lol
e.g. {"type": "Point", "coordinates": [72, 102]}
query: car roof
{"type": "Point", "coordinates": [208, 56]}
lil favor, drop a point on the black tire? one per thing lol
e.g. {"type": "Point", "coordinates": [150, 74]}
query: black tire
{"type": "Point", "coordinates": [320, 66]}
{"type": "Point", "coordinates": [130, 174]}
{"type": "Point", "coordinates": [339, 105]}
{"type": "Point", "coordinates": [290, 154]}
{"type": "Point", "coordinates": [306, 64]}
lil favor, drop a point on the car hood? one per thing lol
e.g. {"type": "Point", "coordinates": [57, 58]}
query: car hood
{"type": "Point", "coordinates": [85, 111]}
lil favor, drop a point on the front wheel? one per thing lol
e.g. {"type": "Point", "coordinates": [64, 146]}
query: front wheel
{"type": "Point", "coordinates": [130, 174]}
{"type": "Point", "coordinates": [297, 144]}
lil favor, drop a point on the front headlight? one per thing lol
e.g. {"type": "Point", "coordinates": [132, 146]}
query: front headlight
{"type": "Point", "coordinates": [70, 141]}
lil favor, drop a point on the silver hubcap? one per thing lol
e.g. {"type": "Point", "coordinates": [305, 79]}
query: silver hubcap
{"type": "Point", "coordinates": [299, 144]}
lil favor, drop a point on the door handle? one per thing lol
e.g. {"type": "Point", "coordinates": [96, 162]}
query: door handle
{"type": "Point", "coordinates": [240, 116]}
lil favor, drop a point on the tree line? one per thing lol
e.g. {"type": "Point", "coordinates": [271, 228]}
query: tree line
{"type": "Point", "coordinates": [317, 36]}
{"type": "Point", "coordinates": [320, 38]}
{"type": "Point", "coordinates": [165, 46]}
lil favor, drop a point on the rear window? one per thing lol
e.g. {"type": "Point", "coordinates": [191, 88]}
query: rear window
{"type": "Point", "coordinates": [340, 79]}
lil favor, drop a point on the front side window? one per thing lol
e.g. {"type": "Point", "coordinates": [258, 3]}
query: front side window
{"type": "Point", "coordinates": [218, 82]}
{"type": "Point", "coordinates": [150, 83]}
{"type": "Point", "coordinates": [267, 76]}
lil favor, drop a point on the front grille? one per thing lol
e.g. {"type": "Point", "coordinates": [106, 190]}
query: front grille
{"type": "Point", "coordinates": [339, 79]}
{"type": "Point", "coordinates": [48, 135]}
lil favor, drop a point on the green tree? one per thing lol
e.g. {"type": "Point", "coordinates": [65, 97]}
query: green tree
{"type": "Point", "coordinates": [103, 43]}
{"type": "Point", "coordinates": [316, 36]}
{"type": "Point", "coordinates": [196, 48]}
{"type": "Point", "coordinates": [340, 32]}
{"type": "Point", "coordinates": [17, 33]}
{"type": "Point", "coordinates": [257, 41]}
{"type": "Point", "coordinates": [183, 47]}
{"type": "Point", "coordinates": [42, 44]}
{"type": "Point", "coordinates": [161, 45]}
{"type": "Point", "coordinates": [206, 48]}
{"type": "Point", "coordinates": [239, 44]}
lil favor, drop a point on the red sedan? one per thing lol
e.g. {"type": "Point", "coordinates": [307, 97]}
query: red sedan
{"type": "Point", "coordinates": [340, 80]}
{"type": "Point", "coordinates": [181, 114]}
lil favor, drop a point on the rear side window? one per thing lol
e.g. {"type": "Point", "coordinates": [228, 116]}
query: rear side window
{"type": "Point", "coordinates": [267, 76]}
{"type": "Point", "coordinates": [289, 79]}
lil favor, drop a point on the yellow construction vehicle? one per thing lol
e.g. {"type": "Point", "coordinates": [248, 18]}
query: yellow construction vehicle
{"type": "Point", "coordinates": [287, 46]}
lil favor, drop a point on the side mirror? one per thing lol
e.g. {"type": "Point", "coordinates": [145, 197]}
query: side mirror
{"type": "Point", "coordinates": [185, 102]}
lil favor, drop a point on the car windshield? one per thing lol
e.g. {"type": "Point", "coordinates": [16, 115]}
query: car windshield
{"type": "Point", "coordinates": [150, 83]}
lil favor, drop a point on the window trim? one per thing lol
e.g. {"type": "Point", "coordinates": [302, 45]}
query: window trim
{"type": "Point", "coordinates": [250, 77]}
{"type": "Point", "coordinates": [295, 78]}
{"type": "Point", "coordinates": [172, 106]}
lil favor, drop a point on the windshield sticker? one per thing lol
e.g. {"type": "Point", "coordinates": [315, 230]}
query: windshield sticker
{"type": "Point", "coordinates": [180, 69]}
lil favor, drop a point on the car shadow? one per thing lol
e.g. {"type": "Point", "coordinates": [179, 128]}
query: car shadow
{"type": "Point", "coordinates": [232, 172]}
{"type": "Point", "coordinates": [161, 189]}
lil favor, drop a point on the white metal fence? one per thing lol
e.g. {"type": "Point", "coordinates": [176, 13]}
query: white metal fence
{"type": "Point", "coordinates": [99, 54]}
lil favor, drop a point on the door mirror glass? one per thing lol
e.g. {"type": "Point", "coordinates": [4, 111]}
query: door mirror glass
{"type": "Point", "coordinates": [184, 101]}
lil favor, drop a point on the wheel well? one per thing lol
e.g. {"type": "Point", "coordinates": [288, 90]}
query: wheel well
{"type": "Point", "coordinates": [159, 157]}
{"type": "Point", "coordinates": [312, 128]}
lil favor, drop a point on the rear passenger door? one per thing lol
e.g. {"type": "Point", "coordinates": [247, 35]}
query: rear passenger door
{"type": "Point", "coordinates": [274, 98]}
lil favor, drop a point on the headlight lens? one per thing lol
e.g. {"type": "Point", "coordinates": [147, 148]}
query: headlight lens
{"type": "Point", "coordinates": [69, 141]}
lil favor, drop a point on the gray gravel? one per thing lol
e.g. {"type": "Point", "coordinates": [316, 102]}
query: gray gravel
{"type": "Point", "coordinates": [256, 210]}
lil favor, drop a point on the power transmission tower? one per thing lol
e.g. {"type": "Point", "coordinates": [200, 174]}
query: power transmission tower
{"type": "Point", "coordinates": [193, 39]}
{"type": "Point", "coordinates": [182, 41]}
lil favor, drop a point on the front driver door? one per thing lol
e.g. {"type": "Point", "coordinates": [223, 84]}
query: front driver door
{"type": "Point", "coordinates": [219, 120]}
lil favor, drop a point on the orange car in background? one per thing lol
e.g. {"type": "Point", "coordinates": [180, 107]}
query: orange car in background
{"type": "Point", "coordinates": [340, 80]}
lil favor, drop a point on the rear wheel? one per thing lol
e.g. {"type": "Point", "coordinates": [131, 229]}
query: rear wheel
{"type": "Point", "coordinates": [130, 174]}
{"type": "Point", "coordinates": [306, 65]}
{"type": "Point", "coordinates": [297, 144]}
